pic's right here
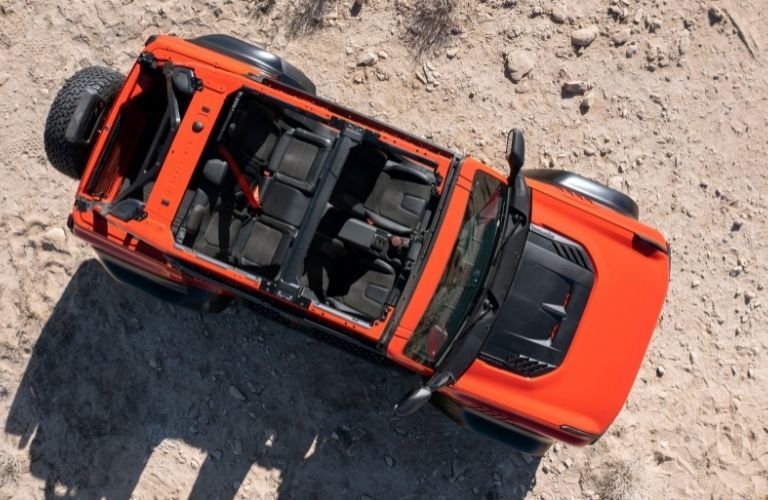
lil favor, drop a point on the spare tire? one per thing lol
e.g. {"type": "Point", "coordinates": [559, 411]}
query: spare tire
{"type": "Point", "coordinates": [66, 157]}
{"type": "Point", "coordinates": [608, 197]}
{"type": "Point", "coordinates": [267, 62]}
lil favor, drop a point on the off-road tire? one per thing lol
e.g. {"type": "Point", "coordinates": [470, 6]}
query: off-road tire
{"type": "Point", "coordinates": [66, 157]}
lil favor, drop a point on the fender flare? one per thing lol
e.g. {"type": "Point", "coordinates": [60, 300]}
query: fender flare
{"type": "Point", "coordinates": [275, 66]}
{"type": "Point", "coordinates": [608, 197]}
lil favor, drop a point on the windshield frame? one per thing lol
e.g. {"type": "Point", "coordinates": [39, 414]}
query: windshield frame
{"type": "Point", "coordinates": [452, 316]}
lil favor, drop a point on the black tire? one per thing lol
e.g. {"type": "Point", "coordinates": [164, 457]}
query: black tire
{"type": "Point", "coordinates": [68, 158]}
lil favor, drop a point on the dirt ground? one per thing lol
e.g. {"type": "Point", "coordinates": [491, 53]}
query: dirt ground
{"type": "Point", "coordinates": [107, 393]}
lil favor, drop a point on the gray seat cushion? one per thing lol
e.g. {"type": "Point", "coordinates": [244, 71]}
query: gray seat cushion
{"type": "Point", "coordinates": [218, 237]}
{"type": "Point", "coordinates": [399, 197]}
{"type": "Point", "coordinates": [283, 202]}
{"type": "Point", "coordinates": [261, 248]}
{"type": "Point", "coordinates": [298, 159]}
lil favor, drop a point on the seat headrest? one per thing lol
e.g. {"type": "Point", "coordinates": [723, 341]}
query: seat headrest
{"type": "Point", "coordinates": [215, 171]}
{"type": "Point", "coordinates": [407, 169]}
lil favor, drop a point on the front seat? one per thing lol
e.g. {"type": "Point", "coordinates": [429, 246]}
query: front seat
{"type": "Point", "coordinates": [367, 289]}
{"type": "Point", "coordinates": [400, 196]}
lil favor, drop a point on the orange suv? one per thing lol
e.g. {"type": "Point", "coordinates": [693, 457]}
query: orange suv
{"type": "Point", "coordinates": [213, 171]}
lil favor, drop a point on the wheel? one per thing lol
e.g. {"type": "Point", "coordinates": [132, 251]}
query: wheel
{"type": "Point", "coordinates": [275, 66]}
{"type": "Point", "coordinates": [66, 157]}
{"type": "Point", "coordinates": [605, 196]}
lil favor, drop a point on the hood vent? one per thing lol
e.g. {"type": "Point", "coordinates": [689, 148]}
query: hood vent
{"type": "Point", "coordinates": [542, 309]}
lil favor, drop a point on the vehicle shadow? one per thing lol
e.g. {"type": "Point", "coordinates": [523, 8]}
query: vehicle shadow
{"type": "Point", "coordinates": [116, 373]}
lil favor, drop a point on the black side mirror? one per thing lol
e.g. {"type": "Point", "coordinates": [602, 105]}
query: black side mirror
{"type": "Point", "coordinates": [515, 152]}
{"type": "Point", "coordinates": [420, 396]}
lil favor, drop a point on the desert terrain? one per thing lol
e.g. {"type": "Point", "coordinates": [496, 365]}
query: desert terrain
{"type": "Point", "coordinates": [107, 393]}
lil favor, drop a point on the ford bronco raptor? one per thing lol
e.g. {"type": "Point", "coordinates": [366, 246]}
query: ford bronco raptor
{"type": "Point", "coordinates": [213, 170]}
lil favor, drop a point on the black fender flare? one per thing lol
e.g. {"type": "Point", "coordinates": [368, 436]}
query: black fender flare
{"type": "Point", "coordinates": [283, 71]}
{"type": "Point", "coordinates": [608, 197]}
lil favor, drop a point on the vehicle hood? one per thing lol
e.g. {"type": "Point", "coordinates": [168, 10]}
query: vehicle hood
{"type": "Point", "coordinates": [630, 274]}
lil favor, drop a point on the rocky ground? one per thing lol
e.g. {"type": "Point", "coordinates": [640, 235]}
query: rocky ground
{"type": "Point", "coordinates": [108, 393]}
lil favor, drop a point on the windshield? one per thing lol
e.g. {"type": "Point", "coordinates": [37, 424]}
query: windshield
{"type": "Point", "coordinates": [465, 272]}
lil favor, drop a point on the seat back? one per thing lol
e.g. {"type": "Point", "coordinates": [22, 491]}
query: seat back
{"type": "Point", "coordinates": [298, 158]}
{"type": "Point", "coordinates": [400, 196]}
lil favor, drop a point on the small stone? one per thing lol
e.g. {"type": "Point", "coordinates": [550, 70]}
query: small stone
{"type": "Point", "coordinates": [620, 37]}
{"type": "Point", "coordinates": [235, 393]}
{"type": "Point", "coordinates": [631, 51]}
{"type": "Point", "coordinates": [750, 373]}
{"type": "Point", "coordinates": [536, 11]}
{"type": "Point", "coordinates": [577, 87]}
{"type": "Point", "coordinates": [558, 15]}
{"type": "Point", "coordinates": [358, 78]}
{"type": "Point", "coordinates": [653, 24]}
{"type": "Point", "coordinates": [617, 12]}
{"type": "Point", "coordinates": [660, 371]}
{"type": "Point", "coordinates": [54, 238]}
{"type": "Point", "coordinates": [585, 36]}
{"type": "Point", "coordinates": [587, 103]}
{"type": "Point", "coordinates": [217, 454]}
{"type": "Point", "coordinates": [452, 52]}
{"type": "Point", "coordinates": [517, 65]}
{"type": "Point", "coordinates": [716, 15]}
{"type": "Point", "coordinates": [458, 466]}
{"type": "Point", "coordinates": [383, 54]}
{"type": "Point", "coordinates": [237, 447]}
{"type": "Point", "coordinates": [736, 226]}
{"type": "Point", "coordinates": [367, 59]}
{"type": "Point", "coordinates": [695, 284]}
{"type": "Point", "coordinates": [390, 461]}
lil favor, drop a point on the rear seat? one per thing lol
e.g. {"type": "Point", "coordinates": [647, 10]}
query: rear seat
{"type": "Point", "coordinates": [262, 245]}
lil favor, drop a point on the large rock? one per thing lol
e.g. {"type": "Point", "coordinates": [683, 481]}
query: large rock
{"type": "Point", "coordinates": [585, 36]}
{"type": "Point", "coordinates": [518, 64]}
